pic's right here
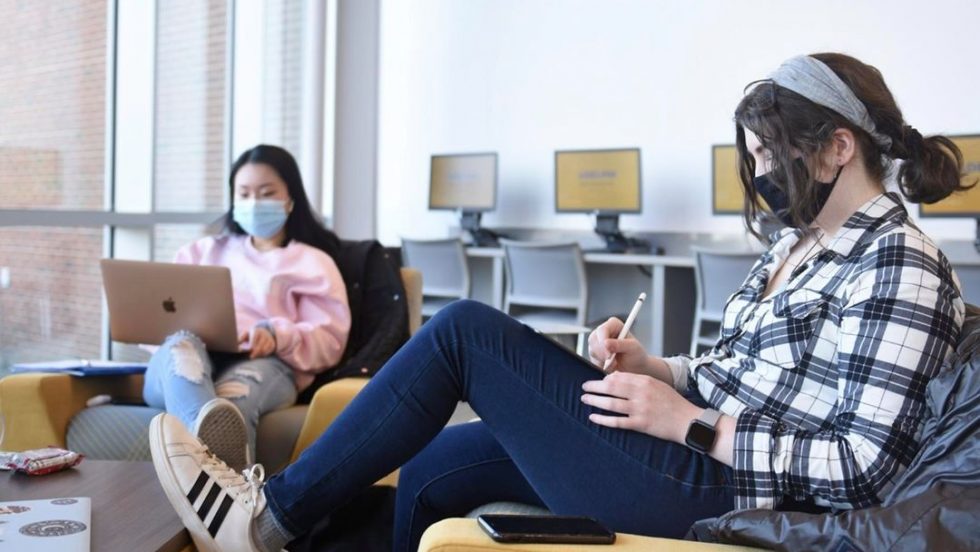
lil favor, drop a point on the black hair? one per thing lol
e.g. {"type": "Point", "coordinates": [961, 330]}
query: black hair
{"type": "Point", "coordinates": [789, 124]}
{"type": "Point", "coordinates": [302, 225]}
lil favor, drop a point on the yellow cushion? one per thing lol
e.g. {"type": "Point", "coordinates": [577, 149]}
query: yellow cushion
{"type": "Point", "coordinates": [38, 407]}
{"type": "Point", "coordinates": [328, 402]}
{"type": "Point", "coordinates": [464, 535]}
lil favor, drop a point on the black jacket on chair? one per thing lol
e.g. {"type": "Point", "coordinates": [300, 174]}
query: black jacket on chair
{"type": "Point", "coordinates": [379, 311]}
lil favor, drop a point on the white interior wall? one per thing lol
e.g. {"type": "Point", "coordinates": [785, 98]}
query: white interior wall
{"type": "Point", "coordinates": [527, 77]}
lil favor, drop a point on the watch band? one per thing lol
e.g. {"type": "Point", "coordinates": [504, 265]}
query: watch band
{"type": "Point", "coordinates": [710, 417]}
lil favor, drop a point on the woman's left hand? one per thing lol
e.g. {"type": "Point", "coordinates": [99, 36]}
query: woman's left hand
{"type": "Point", "coordinates": [262, 342]}
{"type": "Point", "coordinates": [648, 405]}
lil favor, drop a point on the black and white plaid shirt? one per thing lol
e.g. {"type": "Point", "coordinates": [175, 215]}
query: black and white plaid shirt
{"type": "Point", "coordinates": [827, 376]}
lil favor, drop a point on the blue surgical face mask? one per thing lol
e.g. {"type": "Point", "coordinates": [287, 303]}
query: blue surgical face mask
{"type": "Point", "coordinates": [262, 218]}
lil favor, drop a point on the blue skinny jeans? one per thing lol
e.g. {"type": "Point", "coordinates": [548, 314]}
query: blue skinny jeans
{"type": "Point", "coordinates": [534, 444]}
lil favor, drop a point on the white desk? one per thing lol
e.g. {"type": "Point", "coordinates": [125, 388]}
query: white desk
{"type": "Point", "coordinates": [615, 291]}
{"type": "Point", "coordinates": [665, 325]}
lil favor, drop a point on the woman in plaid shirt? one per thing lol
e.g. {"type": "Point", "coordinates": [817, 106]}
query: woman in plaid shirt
{"type": "Point", "coordinates": [812, 397]}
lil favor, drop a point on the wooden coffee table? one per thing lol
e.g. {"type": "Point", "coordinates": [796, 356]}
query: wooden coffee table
{"type": "Point", "coordinates": [129, 509]}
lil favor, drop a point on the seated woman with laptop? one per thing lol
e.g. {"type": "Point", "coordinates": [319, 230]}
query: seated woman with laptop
{"type": "Point", "coordinates": [290, 307]}
{"type": "Point", "coordinates": [813, 397]}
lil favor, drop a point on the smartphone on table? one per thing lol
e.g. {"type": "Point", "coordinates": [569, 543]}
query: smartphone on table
{"type": "Point", "coordinates": [545, 529]}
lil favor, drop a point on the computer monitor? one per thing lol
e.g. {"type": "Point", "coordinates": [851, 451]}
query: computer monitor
{"type": "Point", "coordinates": [727, 195]}
{"type": "Point", "coordinates": [603, 182]}
{"type": "Point", "coordinates": [467, 183]}
{"type": "Point", "coordinates": [962, 204]}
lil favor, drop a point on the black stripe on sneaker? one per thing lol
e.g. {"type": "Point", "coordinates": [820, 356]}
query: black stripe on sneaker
{"type": "Point", "coordinates": [219, 516]}
{"type": "Point", "coordinates": [198, 487]}
{"type": "Point", "coordinates": [202, 512]}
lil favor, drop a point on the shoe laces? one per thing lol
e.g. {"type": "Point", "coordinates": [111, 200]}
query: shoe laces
{"type": "Point", "coordinates": [249, 481]}
{"type": "Point", "coordinates": [254, 477]}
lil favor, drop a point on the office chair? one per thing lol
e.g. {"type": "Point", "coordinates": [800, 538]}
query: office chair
{"type": "Point", "coordinates": [969, 276]}
{"type": "Point", "coordinates": [445, 276]}
{"type": "Point", "coordinates": [546, 287]}
{"type": "Point", "coordinates": [717, 275]}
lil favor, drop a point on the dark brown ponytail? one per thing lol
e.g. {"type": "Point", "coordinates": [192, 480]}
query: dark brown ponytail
{"type": "Point", "coordinates": [932, 167]}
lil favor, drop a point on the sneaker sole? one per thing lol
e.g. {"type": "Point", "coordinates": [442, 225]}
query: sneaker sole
{"type": "Point", "coordinates": [185, 510]}
{"type": "Point", "coordinates": [223, 430]}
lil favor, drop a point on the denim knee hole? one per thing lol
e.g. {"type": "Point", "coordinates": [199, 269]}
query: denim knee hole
{"type": "Point", "coordinates": [232, 390]}
{"type": "Point", "coordinates": [185, 361]}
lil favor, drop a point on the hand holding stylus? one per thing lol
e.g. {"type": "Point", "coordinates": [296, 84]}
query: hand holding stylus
{"type": "Point", "coordinates": [626, 328]}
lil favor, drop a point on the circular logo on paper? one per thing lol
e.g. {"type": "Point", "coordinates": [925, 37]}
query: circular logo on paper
{"type": "Point", "coordinates": [64, 501]}
{"type": "Point", "coordinates": [53, 528]}
{"type": "Point", "coordinates": [12, 509]}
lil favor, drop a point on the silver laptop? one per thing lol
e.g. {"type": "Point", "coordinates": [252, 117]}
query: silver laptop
{"type": "Point", "coordinates": [150, 301]}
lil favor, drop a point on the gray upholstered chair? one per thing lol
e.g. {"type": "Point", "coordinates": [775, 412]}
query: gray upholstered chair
{"type": "Point", "coordinates": [445, 275]}
{"type": "Point", "coordinates": [717, 275]}
{"type": "Point", "coordinates": [547, 287]}
{"type": "Point", "coordinates": [969, 276]}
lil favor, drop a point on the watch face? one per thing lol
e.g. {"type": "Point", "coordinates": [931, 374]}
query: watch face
{"type": "Point", "coordinates": [700, 436]}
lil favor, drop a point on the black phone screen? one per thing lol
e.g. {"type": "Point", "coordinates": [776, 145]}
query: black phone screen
{"type": "Point", "coordinates": [559, 529]}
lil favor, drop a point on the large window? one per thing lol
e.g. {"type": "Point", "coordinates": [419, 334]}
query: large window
{"type": "Point", "coordinates": [190, 140]}
{"type": "Point", "coordinates": [52, 104]}
{"type": "Point", "coordinates": [51, 306]}
{"type": "Point", "coordinates": [283, 62]}
{"type": "Point", "coordinates": [117, 121]}
{"type": "Point", "coordinates": [52, 157]}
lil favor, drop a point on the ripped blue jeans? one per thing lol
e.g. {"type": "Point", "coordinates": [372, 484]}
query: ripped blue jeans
{"type": "Point", "coordinates": [182, 376]}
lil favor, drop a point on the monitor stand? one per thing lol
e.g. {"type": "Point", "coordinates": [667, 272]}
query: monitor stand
{"type": "Point", "coordinates": [482, 237]}
{"type": "Point", "coordinates": [607, 226]}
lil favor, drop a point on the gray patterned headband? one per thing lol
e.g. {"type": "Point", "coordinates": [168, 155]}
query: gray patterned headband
{"type": "Point", "coordinates": [812, 79]}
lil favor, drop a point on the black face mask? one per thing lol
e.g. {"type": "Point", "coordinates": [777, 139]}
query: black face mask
{"type": "Point", "coordinates": [778, 200]}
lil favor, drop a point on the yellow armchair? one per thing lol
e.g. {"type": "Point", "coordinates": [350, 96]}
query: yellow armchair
{"type": "Point", "coordinates": [328, 402]}
{"type": "Point", "coordinates": [38, 408]}
{"type": "Point", "coordinates": [464, 535]}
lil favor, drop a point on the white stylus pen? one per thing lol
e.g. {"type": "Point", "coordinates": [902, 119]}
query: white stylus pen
{"type": "Point", "coordinates": [626, 327]}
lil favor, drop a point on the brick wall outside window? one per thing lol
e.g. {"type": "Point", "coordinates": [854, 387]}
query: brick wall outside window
{"type": "Point", "coordinates": [52, 155]}
{"type": "Point", "coordinates": [52, 149]}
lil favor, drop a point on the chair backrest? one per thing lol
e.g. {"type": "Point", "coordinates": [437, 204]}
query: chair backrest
{"type": "Point", "coordinates": [969, 276]}
{"type": "Point", "coordinates": [545, 274]}
{"type": "Point", "coordinates": [717, 275]}
{"type": "Point", "coordinates": [412, 281]}
{"type": "Point", "coordinates": [442, 264]}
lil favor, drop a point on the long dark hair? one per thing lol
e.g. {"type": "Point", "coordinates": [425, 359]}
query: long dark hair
{"type": "Point", "coordinates": [788, 125]}
{"type": "Point", "coordinates": [302, 224]}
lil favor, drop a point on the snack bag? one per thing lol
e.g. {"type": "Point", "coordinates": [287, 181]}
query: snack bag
{"type": "Point", "coordinates": [40, 461]}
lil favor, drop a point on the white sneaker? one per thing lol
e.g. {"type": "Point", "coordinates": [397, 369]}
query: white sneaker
{"type": "Point", "coordinates": [216, 504]}
{"type": "Point", "coordinates": [221, 426]}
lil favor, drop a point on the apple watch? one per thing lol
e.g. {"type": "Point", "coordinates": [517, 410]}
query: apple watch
{"type": "Point", "coordinates": [701, 433]}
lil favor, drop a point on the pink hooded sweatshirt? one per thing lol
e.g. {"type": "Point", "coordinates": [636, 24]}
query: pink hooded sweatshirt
{"type": "Point", "coordinates": [296, 289]}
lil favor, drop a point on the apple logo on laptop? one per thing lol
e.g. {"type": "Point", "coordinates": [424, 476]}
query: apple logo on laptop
{"type": "Point", "coordinates": [169, 305]}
